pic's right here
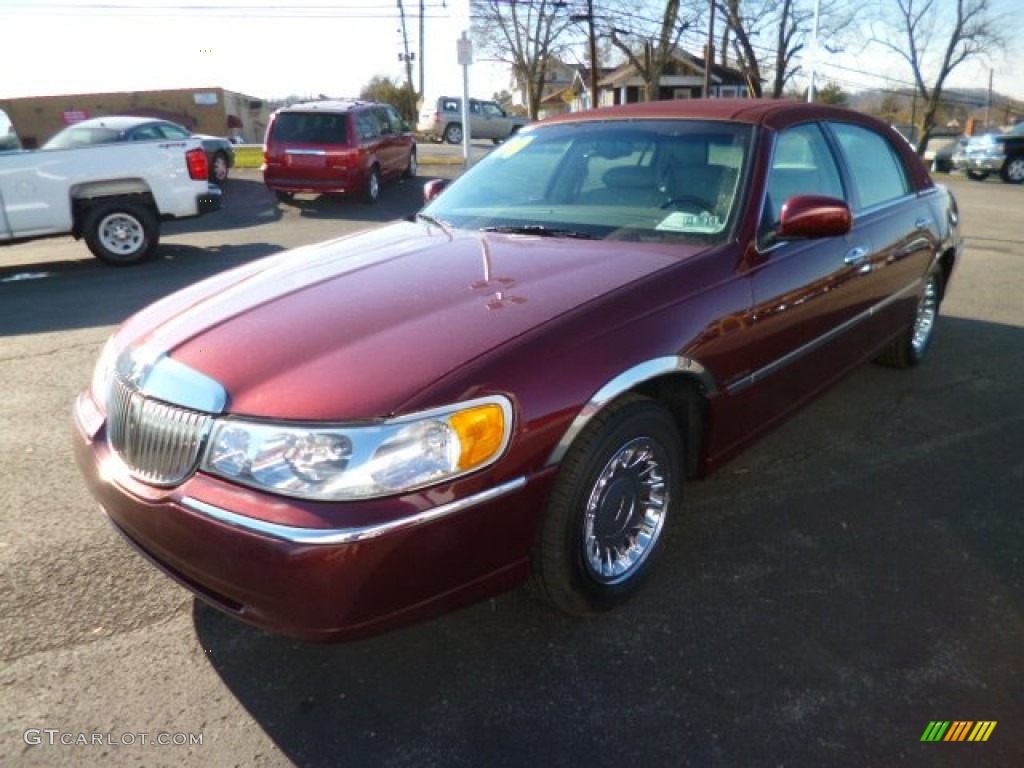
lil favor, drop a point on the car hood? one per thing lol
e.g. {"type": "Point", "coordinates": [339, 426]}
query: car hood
{"type": "Point", "coordinates": [351, 328]}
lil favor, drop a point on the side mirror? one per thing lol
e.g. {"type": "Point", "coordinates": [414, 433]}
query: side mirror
{"type": "Point", "coordinates": [433, 188]}
{"type": "Point", "coordinates": [813, 216]}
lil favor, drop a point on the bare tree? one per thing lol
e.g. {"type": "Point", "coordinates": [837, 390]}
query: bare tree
{"type": "Point", "coordinates": [526, 36]}
{"type": "Point", "coordinates": [769, 36]}
{"type": "Point", "coordinates": [934, 37]}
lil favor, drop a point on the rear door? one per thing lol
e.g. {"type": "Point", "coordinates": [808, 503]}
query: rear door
{"type": "Point", "coordinates": [895, 220]}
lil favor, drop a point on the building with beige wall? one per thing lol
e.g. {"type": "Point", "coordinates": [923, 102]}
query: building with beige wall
{"type": "Point", "coordinates": [213, 111]}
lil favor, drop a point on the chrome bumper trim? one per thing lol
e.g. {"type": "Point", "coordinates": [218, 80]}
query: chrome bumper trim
{"type": "Point", "coordinates": [296, 535]}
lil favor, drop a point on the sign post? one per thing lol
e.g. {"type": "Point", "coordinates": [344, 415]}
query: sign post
{"type": "Point", "coordinates": [465, 50]}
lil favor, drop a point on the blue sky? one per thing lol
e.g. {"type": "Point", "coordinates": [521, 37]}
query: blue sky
{"type": "Point", "coordinates": [269, 49]}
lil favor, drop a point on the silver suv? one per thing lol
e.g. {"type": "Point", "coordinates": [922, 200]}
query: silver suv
{"type": "Point", "coordinates": [442, 120]}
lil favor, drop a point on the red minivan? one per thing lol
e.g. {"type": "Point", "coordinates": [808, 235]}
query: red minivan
{"type": "Point", "coordinates": [332, 146]}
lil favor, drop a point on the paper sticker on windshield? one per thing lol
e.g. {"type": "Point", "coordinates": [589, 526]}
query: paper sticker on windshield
{"type": "Point", "coordinates": [513, 144]}
{"type": "Point", "coordinates": [701, 223]}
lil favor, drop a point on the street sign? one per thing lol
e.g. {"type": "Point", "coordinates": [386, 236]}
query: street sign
{"type": "Point", "coordinates": [465, 49]}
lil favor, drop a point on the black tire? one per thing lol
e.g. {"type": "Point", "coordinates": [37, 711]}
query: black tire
{"type": "Point", "coordinates": [412, 168]}
{"type": "Point", "coordinates": [977, 175]}
{"type": "Point", "coordinates": [910, 347]}
{"type": "Point", "coordinates": [1012, 171]}
{"type": "Point", "coordinates": [618, 487]}
{"type": "Point", "coordinates": [453, 133]}
{"type": "Point", "coordinates": [284, 197]}
{"type": "Point", "coordinates": [372, 192]}
{"type": "Point", "coordinates": [121, 233]}
{"type": "Point", "coordinates": [219, 168]}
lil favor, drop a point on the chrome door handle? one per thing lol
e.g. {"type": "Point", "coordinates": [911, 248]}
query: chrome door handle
{"type": "Point", "coordinates": [855, 255]}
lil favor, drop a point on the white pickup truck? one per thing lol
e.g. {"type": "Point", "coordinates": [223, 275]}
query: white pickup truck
{"type": "Point", "coordinates": [112, 195]}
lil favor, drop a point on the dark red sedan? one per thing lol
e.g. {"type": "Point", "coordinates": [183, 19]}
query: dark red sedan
{"type": "Point", "coordinates": [517, 383]}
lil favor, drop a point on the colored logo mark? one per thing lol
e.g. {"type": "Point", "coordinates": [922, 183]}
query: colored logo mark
{"type": "Point", "coordinates": [958, 730]}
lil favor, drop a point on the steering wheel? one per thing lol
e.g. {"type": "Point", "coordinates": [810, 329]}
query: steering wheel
{"type": "Point", "coordinates": [691, 200]}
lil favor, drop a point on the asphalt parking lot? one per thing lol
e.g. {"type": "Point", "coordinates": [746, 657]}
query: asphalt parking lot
{"type": "Point", "coordinates": [853, 577]}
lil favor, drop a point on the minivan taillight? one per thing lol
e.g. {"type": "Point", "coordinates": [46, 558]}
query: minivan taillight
{"type": "Point", "coordinates": [198, 165]}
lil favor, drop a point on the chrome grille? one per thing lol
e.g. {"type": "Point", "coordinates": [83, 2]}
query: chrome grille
{"type": "Point", "coordinates": [159, 443]}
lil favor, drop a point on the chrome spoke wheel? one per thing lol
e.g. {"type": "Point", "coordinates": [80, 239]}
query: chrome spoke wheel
{"type": "Point", "coordinates": [625, 511]}
{"type": "Point", "coordinates": [927, 312]}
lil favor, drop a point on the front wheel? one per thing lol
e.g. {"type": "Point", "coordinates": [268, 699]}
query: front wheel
{"type": "Point", "coordinates": [618, 487]}
{"type": "Point", "coordinates": [121, 233]}
{"type": "Point", "coordinates": [909, 348]}
{"type": "Point", "coordinates": [412, 168]}
{"type": "Point", "coordinates": [1013, 170]}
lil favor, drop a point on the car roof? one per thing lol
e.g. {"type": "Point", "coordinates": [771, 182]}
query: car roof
{"type": "Point", "coordinates": [328, 105]}
{"type": "Point", "coordinates": [119, 122]}
{"type": "Point", "coordinates": [774, 113]}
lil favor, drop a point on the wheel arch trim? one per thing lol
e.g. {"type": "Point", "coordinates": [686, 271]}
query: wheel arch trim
{"type": "Point", "coordinates": [623, 383]}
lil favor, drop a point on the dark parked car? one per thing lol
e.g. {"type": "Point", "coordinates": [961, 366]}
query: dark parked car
{"type": "Point", "coordinates": [220, 153]}
{"type": "Point", "coordinates": [518, 382]}
{"type": "Point", "coordinates": [1001, 153]}
{"type": "Point", "coordinates": [943, 159]}
{"type": "Point", "coordinates": [336, 146]}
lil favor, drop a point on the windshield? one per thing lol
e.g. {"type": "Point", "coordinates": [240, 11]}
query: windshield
{"type": "Point", "coordinates": [642, 180]}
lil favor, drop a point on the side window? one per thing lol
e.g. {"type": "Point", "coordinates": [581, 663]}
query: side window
{"type": "Point", "coordinates": [474, 107]}
{"type": "Point", "coordinates": [384, 119]}
{"type": "Point", "coordinates": [147, 133]}
{"type": "Point", "coordinates": [174, 132]}
{"type": "Point", "coordinates": [802, 165]}
{"type": "Point", "coordinates": [367, 125]}
{"type": "Point", "coordinates": [451, 105]}
{"type": "Point", "coordinates": [878, 173]}
{"type": "Point", "coordinates": [397, 124]}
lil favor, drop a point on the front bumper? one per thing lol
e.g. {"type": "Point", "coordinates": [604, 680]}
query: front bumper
{"type": "Point", "coordinates": [983, 161]}
{"type": "Point", "coordinates": [317, 583]}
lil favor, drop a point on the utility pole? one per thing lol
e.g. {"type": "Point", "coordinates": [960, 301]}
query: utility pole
{"type": "Point", "coordinates": [709, 54]}
{"type": "Point", "coordinates": [593, 57]}
{"type": "Point", "coordinates": [592, 44]}
{"type": "Point", "coordinates": [411, 107]}
{"type": "Point", "coordinates": [421, 91]}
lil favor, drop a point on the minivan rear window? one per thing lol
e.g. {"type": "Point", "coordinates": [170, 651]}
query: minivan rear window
{"type": "Point", "coordinates": [310, 128]}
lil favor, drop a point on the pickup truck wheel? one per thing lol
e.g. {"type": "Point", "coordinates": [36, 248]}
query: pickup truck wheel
{"type": "Point", "coordinates": [121, 233]}
{"type": "Point", "coordinates": [1013, 170]}
{"type": "Point", "coordinates": [219, 168]}
{"type": "Point", "coordinates": [453, 133]}
{"type": "Point", "coordinates": [372, 193]}
{"type": "Point", "coordinates": [618, 488]}
{"type": "Point", "coordinates": [909, 348]}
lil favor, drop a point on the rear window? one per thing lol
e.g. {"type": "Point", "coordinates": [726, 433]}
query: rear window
{"type": "Point", "coordinates": [311, 128]}
{"type": "Point", "coordinates": [83, 136]}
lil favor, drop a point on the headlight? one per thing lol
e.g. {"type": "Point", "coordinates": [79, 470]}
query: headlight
{"type": "Point", "coordinates": [102, 374]}
{"type": "Point", "coordinates": [344, 462]}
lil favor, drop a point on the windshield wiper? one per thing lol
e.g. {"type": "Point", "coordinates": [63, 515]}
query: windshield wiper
{"type": "Point", "coordinates": [444, 226]}
{"type": "Point", "coordinates": [540, 231]}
